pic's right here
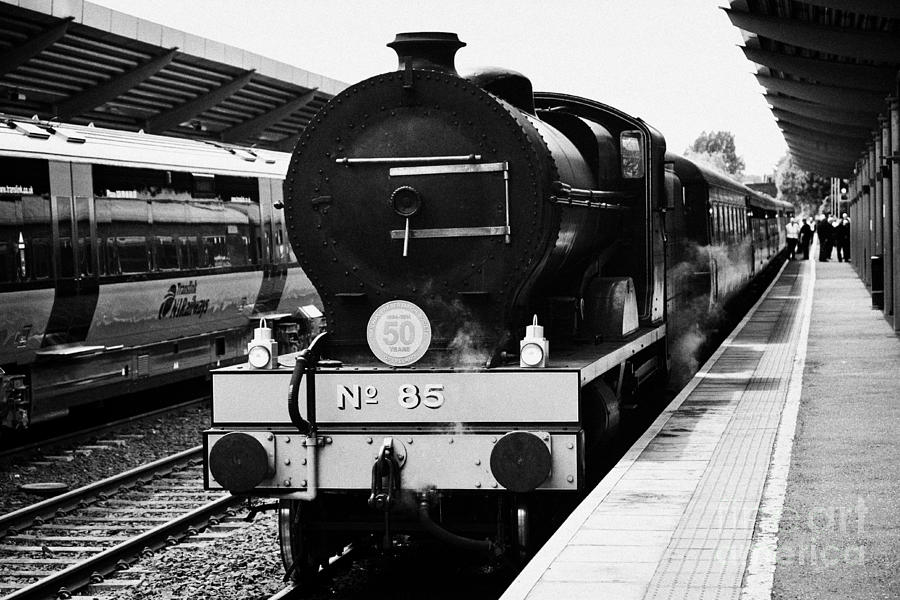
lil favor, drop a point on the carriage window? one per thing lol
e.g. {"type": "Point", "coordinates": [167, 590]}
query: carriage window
{"type": "Point", "coordinates": [189, 252]}
{"type": "Point", "coordinates": [83, 229]}
{"type": "Point", "coordinates": [25, 226]}
{"type": "Point", "coordinates": [166, 254]}
{"type": "Point", "coordinates": [10, 230]}
{"type": "Point", "coordinates": [131, 254]}
{"type": "Point", "coordinates": [8, 261]}
{"type": "Point", "coordinates": [215, 252]}
{"type": "Point", "coordinates": [238, 248]}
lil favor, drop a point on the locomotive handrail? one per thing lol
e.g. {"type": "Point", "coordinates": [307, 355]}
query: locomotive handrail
{"type": "Point", "coordinates": [566, 194]}
{"type": "Point", "coordinates": [408, 160]}
{"type": "Point", "coordinates": [305, 360]}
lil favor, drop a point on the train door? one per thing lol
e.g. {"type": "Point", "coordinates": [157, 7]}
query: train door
{"type": "Point", "coordinates": [75, 259]}
{"type": "Point", "coordinates": [266, 217]}
{"type": "Point", "coordinates": [275, 268]}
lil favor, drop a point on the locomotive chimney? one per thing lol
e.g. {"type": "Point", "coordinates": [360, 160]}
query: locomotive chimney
{"type": "Point", "coordinates": [430, 50]}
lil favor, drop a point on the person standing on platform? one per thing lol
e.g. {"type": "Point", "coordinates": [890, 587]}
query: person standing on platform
{"type": "Point", "coordinates": [838, 234]}
{"type": "Point", "coordinates": [806, 233]}
{"type": "Point", "coordinates": [824, 231]}
{"type": "Point", "coordinates": [844, 239]}
{"type": "Point", "coordinates": [792, 232]}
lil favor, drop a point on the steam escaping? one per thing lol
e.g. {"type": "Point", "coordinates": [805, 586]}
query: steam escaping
{"type": "Point", "coordinates": [700, 285]}
{"type": "Point", "coordinates": [471, 342]}
{"type": "Point", "coordinates": [467, 349]}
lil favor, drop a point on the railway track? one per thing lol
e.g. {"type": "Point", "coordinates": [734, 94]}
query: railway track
{"type": "Point", "coordinates": [69, 541]}
{"type": "Point", "coordinates": [88, 433]}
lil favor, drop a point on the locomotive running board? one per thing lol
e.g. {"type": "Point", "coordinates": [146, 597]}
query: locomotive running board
{"type": "Point", "coordinates": [367, 395]}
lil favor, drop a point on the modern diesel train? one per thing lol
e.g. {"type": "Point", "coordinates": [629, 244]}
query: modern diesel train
{"type": "Point", "coordinates": [502, 271]}
{"type": "Point", "coordinates": [129, 261]}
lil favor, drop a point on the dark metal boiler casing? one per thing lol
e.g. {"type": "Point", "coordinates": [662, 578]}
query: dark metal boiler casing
{"type": "Point", "coordinates": [484, 235]}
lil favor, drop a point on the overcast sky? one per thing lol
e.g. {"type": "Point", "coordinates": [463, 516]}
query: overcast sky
{"type": "Point", "coordinates": [676, 64]}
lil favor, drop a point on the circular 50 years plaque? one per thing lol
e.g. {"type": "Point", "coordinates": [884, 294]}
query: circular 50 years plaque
{"type": "Point", "coordinates": [399, 333]}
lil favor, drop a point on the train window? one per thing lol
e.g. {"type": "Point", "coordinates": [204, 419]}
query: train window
{"type": "Point", "coordinates": [25, 220]}
{"type": "Point", "coordinates": [83, 234]}
{"type": "Point", "coordinates": [238, 248]}
{"type": "Point", "coordinates": [204, 185]}
{"type": "Point", "coordinates": [10, 230]}
{"type": "Point", "coordinates": [215, 251]}
{"type": "Point", "coordinates": [39, 249]}
{"type": "Point", "coordinates": [131, 254]}
{"type": "Point", "coordinates": [632, 154]}
{"type": "Point", "coordinates": [85, 256]}
{"type": "Point", "coordinates": [237, 189]}
{"type": "Point", "coordinates": [166, 254]}
{"type": "Point", "coordinates": [66, 265]}
{"type": "Point", "coordinates": [37, 230]}
{"type": "Point", "coordinates": [9, 270]}
{"type": "Point", "coordinates": [189, 252]}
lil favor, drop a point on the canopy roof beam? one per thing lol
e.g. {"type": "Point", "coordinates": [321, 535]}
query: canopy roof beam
{"type": "Point", "coordinates": [819, 126]}
{"type": "Point", "coordinates": [115, 87]}
{"type": "Point", "coordinates": [190, 109]}
{"type": "Point", "coordinates": [865, 45]}
{"type": "Point", "coordinates": [830, 96]}
{"type": "Point", "coordinates": [839, 74]}
{"type": "Point", "coordinates": [251, 129]}
{"type": "Point", "coordinates": [18, 55]}
{"type": "Point", "coordinates": [823, 113]}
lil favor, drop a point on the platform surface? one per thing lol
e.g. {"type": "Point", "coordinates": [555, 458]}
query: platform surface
{"type": "Point", "coordinates": [693, 508]}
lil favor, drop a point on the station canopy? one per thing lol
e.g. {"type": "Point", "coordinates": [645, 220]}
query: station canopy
{"type": "Point", "coordinates": [83, 63]}
{"type": "Point", "coordinates": [828, 67]}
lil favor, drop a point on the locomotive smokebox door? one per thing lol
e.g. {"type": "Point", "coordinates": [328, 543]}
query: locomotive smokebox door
{"type": "Point", "coordinates": [520, 460]}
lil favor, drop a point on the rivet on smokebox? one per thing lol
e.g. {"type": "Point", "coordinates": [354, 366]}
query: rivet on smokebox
{"type": "Point", "coordinates": [478, 484]}
{"type": "Point", "coordinates": [287, 461]}
{"type": "Point", "coordinates": [570, 479]}
{"type": "Point", "coordinates": [303, 462]}
{"type": "Point", "coordinates": [287, 439]}
{"type": "Point", "coordinates": [303, 483]}
{"type": "Point", "coordinates": [570, 445]}
{"type": "Point", "coordinates": [409, 440]}
{"type": "Point", "coordinates": [287, 482]}
{"type": "Point", "coordinates": [477, 462]}
{"type": "Point", "coordinates": [270, 437]}
{"type": "Point", "coordinates": [368, 440]}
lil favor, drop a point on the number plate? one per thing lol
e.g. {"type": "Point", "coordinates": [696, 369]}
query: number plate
{"type": "Point", "coordinates": [495, 397]}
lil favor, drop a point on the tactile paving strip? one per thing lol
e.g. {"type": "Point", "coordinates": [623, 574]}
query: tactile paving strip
{"type": "Point", "coordinates": [707, 554]}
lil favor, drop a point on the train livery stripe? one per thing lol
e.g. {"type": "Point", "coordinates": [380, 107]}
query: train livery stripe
{"type": "Point", "coordinates": [73, 310]}
{"type": "Point", "coordinates": [271, 288]}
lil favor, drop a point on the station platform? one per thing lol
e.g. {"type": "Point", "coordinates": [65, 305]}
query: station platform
{"type": "Point", "coordinates": [774, 473]}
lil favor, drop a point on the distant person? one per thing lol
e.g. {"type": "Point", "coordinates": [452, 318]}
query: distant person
{"type": "Point", "coordinates": [843, 238]}
{"type": "Point", "coordinates": [792, 231]}
{"type": "Point", "coordinates": [806, 235]}
{"type": "Point", "coordinates": [824, 232]}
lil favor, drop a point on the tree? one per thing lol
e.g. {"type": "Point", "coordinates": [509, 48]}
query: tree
{"type": "Point", "coordinates": [716, 149]}
{"type": "Point", "coordinates": [801, 188]}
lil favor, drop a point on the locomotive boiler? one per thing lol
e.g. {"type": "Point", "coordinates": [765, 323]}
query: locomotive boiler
{"type": "Point", "coordinates": [495, 267]}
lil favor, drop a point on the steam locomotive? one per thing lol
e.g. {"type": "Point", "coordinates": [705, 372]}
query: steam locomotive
{"type": "Point", "coordinates": [128, 261]}
{"type": "Point", "coordinates": [502, 271]}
